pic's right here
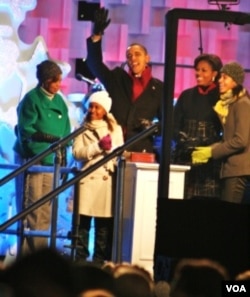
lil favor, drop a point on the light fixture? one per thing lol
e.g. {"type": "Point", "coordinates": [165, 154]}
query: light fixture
{"type": "Point", "coordinates": [87, 10]}
{"type": "Point", "coordinates": [224, 5]}
{"type": "Point", "coordinates": [224, 2]}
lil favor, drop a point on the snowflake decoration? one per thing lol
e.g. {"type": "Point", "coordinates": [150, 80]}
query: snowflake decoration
{"type": "Point", "coordinates": [18, 8]}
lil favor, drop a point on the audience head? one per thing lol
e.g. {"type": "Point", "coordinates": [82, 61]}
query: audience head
{"type": "Point", "coordinates": [162, 289]}
{"type": "Point", "coordinates": [41, 273]}
{"type": "Point", "coordinates": [244, 275]}
{"type": "Point", "coordinates": [92, 281]}
{"type": "Point", "coordinates": [207, 67]}
{"type": "Point", "coordinates": [131, 280]}
{"type": "Point", "coordinates": [198, 277]}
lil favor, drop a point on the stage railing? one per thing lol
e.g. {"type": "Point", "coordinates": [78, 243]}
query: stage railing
{"type": "Point", "coordinates": [55, 147]}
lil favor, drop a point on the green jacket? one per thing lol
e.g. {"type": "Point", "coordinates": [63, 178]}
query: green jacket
{"type": "Point", "coordinates": [37, 113]}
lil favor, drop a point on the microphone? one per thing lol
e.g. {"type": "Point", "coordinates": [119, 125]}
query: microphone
{"type": "Point", "coordinates": [80, 77]}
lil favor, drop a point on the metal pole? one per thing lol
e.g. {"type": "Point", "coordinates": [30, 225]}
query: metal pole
{"type": "Point", "coordinates": [54, 201]}
{"type": "Point", "coordinates": [75, 222]}
{"type": "Point", "coordinates": [19, 187]}
{"type": "Point", "coordinates": [118, 217]}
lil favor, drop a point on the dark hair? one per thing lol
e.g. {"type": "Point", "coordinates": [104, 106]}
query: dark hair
{"type": "Point", "coordinates": [198, 277]}
{"type": "Point", "coordinates": [213, 60]}
{"type": "Point", "coordinates": [238, 89]}
{"type": "Point", "coordinates": [90, 277]}
{"type": "Point", "coordinates": [48, 70]}
{"type": "Point", "coordinates": [138, 44]}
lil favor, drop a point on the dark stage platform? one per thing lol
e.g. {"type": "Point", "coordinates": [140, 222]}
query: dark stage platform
{"type": "Point", "coordinates": [200, 228]}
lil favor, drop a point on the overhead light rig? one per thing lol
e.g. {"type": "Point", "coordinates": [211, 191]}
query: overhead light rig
{"type": "Point", "coordinates": [224, 4]}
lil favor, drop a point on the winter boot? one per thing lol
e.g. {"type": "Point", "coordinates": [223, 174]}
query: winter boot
{"type": "Point", "coordinates": [101, 245]}
{"type": "Point", "coordinates": [82, 249]}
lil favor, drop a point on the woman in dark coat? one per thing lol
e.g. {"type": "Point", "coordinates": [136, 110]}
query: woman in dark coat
{"type": "Point", "coordinates": [196, 124]}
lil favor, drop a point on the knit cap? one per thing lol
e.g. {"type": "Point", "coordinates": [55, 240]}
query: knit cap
{"type": "Point", "coordinates": [102, 98]}
{"type": "Point", "coordinates": [47, 70]}
{"type": "Point", "coordinates": [235, 71]}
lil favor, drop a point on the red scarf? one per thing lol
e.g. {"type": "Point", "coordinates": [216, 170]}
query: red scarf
{"type": "Point", "coordinates": [205, 91]}
{"type": "Point", "coordinates": [140, 83]}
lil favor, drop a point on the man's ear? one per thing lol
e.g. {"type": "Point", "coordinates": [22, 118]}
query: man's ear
{"type": "Point", "coordinates": [148, 58]}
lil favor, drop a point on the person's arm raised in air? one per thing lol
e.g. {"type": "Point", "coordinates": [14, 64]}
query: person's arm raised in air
{"type": "Point", "coordinates": [94, 58]}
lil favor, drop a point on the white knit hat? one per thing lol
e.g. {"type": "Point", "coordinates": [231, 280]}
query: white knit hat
{"type": "Point", "coordinates": [102, 98]}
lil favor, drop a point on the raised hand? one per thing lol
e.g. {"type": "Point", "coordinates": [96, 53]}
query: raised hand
{"type": "Point", "coordinates": [101, 21]}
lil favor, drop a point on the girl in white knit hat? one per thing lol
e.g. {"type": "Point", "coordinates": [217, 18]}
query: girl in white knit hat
{"type": "Point", "coordinates": [96, 191]}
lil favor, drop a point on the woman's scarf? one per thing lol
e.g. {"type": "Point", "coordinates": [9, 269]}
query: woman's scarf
{"type": "Point", "coordinates": [99, 128]}
{"type": "Point", "coordinates": [100, 123]}
{"type": "Point", "coordinates": [221, 107]}
{"type": "Point", "coordinates": [206, 90]}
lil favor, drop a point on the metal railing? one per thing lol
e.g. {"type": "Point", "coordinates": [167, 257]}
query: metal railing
{"type": "Point", "coordinates": [78, 176]}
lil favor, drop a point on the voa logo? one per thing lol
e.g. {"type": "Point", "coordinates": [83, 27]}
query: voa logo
{"type": "Point", "coordinates": [236, 288]}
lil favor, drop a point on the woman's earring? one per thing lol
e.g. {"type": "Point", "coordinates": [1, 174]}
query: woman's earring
{"type": "Point", "coordinates": [213, 79]}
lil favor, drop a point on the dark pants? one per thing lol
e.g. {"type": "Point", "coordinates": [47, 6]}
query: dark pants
{"type": "Point", "coordinates": [233, 188]}
{"type": "Point", "coordinates": [102, 239]}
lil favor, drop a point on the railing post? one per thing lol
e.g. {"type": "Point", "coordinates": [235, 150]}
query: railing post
{"type": "Point", "coordinates": [118, 216]}
{"type": "Point", "coordinates": [19, 188]}
{"type": "Point", "coordinates": [75, 222]}
{"type": "Point", "coordinates": [54, 210]}
{"type": "Point", "coordinates": [19, 200]}
{"type": "Point", "coordinates": [73, 235]}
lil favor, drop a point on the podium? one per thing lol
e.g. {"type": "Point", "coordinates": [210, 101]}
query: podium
{"type": "Point", "coordinates": [139, 209]}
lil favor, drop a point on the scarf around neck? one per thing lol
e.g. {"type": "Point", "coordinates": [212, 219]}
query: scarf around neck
{"type": "Point", "coordinates": [140, 83]}
{"type": "Point", "coordinates": [206, 90]}
{"type": "Point", "coordinates": [226, 99]}
{"type": "Point", "coordinates": [92, 125]}
{"type": "Point", "coordinates": [99, 129]}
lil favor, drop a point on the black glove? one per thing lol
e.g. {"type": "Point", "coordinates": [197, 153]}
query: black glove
{"type": "Point", "coordinates": [185, 145]}
{"type": "Point", "coordinates": [142, 124]}
{"type": "Point", "coordinates": [44, 137]}
{"type": "Point", "coordinates": [101, 21]}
